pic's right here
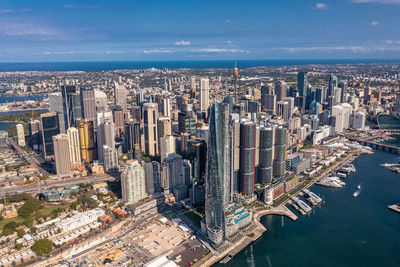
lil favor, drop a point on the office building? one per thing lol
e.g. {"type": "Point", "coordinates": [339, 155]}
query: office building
{"type": "Point", "coordinates": [86, 141]}
{"type": "Point", "coordinates": [247, 157]}
{"type": "Point", "coordinates": [167, 146]}
{"type": "Point", "coordinates": [74, 146]}
{"type": "Point", "coordinates": [204, 95]}
{"type": "Point", "coordinates": [20, 134]}
{"type": "Point", "coordinates": [4, 139]}
{"type": "Point", "coordinates": [133, 182]}
{"type": "Point", "coordinates": [72, 105]}
{"type": "Point", "coordinates": [280, 90]}
{"type": "Point", "coordinates": [120, 94]}
{"type": "Point", "coordinates": [153, 177]}
{"type": "Point", "coordinates": [110, 158]}
{"type": "Point", "coordinates": [150, 119]}
{"type": "Point", "coordinates": [88, 101]}
{"type": "Point", "coordinates": [302, 84]}
{"type": "Point", "coordinates": [359, 120]}
{"type": "Point", "coordinates": [119, 120]}
{"type": "Point", "coordinates": [132, 137]}
{"type": "Point", "coordinates": [35, 139]}
{"type": "Point", "coordinates": [56, 105]}
{"type": "Point", "coordinates": [101, 118]}
{"type": "Point", "coordinates": [164, 126]}
{"type": "Point", "coordinates": [283, 109]}
{"type": "Point", "coordinates": [50, 128]}
{"type": "Point", "coordinates": [100, 101]}
{"type": "Point", "coordinates": [61, 154]}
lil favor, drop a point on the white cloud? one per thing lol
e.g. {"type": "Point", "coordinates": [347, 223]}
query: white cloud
{"type": "Point", "coordinates": [354, 49]}
{"type": "Point", "coordinates": [6, 11]}
{"type": "Point", "coordinates": [320, 6]}
{"type": "Point", "coordinates": [229, 42]}
{"type": "Point", "coordinates": [12, 29]}
{"type": "Point", "coordinates": [218, 50]}
{"type": "Point", "coordinates": [182, 43]}
{"type": "Point", "coordinates": [378, 1]}
{"type": "Point", "coordinates": [374, 23]}
{"type": "Point", "coordinates": [228, 21]}
{"type": "Point", "coordinates": [157, 51]}
{"type": "Point", "coordinates": [85, 52]}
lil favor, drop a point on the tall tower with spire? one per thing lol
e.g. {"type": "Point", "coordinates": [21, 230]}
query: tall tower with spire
{"type": "Point", "coordinates": [235, 77]}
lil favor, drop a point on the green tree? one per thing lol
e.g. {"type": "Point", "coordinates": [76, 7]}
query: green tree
{"type": "Point", "coordinates": [28, 222]}
{"type": "Point", "coordinates": [30, 206]}
{"type": "Point", "coordinates": [42, 246]}
{"type": "Point", "coordinates": [20, 233]}
{"type": "Point", "coordinates": [9, 228]}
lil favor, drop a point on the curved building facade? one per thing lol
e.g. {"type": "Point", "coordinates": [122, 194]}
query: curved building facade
{"type": "Point", "coordinates": [247, 157]}
{"type": "Point", "coordinates": [386, 121]}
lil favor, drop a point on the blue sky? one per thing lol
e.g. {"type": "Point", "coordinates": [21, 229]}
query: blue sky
{"type": "Point", "coordinates": [198, 29]}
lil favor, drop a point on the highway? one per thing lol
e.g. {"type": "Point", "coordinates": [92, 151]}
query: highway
{"type": "Point", "coordinates": [43, 185]}
{"type": "Point", "coordinates": [31, 160]}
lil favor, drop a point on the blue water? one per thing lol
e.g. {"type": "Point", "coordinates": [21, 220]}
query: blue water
{"type": "Point", "coordinates": [346, 231]}
{"type": "Point", "coordinates": [10, 99]}
{"type": "Point", "coordinates": [198, 64]}
{"type": "Point", "coordinates": [6, 125]}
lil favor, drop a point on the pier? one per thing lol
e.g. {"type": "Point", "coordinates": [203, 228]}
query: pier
{"type": "Point", "coordinates": [369, 141]}
{"type": "Point", "coordinates": [314, 198]}
{"type": "Point", "coordinates": [302, 205]}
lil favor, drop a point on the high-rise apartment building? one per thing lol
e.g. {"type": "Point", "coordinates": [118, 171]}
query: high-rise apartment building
{"type": "Point", "coordinates": [279, 152]}
{"type": "Point", "coordinates": [20, 134]}
{"type": "Point", "coordinates": [133, 182]}
{"type": "Point", "coordinates": [153, 177]}
{"type": "Point", "coordinates": [35, 139]}
{"type": "Point", "coordinates": [218, 188]}
{"type": "Point", "coordinates": [247, 157]}
{"type": "Point", "coordinates": [280, 90]}
{"type": "Point", "coordinates": [266, 155]}
{"type": "Point", "coordinates": [167, 146]}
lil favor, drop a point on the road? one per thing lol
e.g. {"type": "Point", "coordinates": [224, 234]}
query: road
{"type": "Point", "coordinates": [31, 160]}
{"type": "Point", "coordinates": [43, 185]}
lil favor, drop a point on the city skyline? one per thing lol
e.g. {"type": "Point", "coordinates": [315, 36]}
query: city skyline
{"type": "Point", "coordinates": [97, 30]}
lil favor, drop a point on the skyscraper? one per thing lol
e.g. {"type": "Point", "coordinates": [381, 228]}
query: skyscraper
{"type": "Point", "coordinates": [332, 84]}
{"type": "Point", "coordinates": [101, 118]}
{"type": "Point", "coordinates": [20, 134]}
{"type": "Point", "coordinates": [74, 146]}
{"type": "Point", "coordinates": [72, 105]}
{"type": "Point", "coordinates": [266, 155]}
{"type": "Point", "coordinates": [100, 101]}
{"type": "Point", "coordinates": [88, 101]}
{"type": "Point", "coordinates": [61, 154]}
{"type": "Point", "coordinates": [280, 90]}
{"type": "Point", "coordinates": [204, 95]}
{"type": "Point", "coordinates": [132, 137]}
{"type": "Point", "coordinates": [120, 96]}
{"type": "Point", "coordinates": [279, 152]}
{"type": "Point", "coordinates": [343, 88]}
{"type": "Point", "coordinates": [167, 146]}
{"type": "Point", "coordinates": [150, 118]}
{"type": "Point", "coordinates": [119, 120]}
{"type": "Point", "coordinates": [218, 173]}
{"type": "Point", "coordinates": [153, 177]}
{"type": "Point", "coordinates": [110, 158]}
{"type": "Point", "coordinates": [50, 128]}
{"type": "Point", "coordinates": [302, 84]}
{"type": "Point", "coordinates": [34, 134]}
{"type": "Point", "coordinates": [247, 157]}
{"type": "Point", "coordinates": [86, 140]}
{"type": "Point", "coordinates": [133, 183]}
{"type": "Point", "coordinates": [56, 105]}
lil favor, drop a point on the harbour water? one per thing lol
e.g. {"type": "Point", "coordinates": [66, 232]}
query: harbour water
{"type": "Point", "coordinates": [345, 231]}
{"type": "Point", "coordinates": [173, 64]}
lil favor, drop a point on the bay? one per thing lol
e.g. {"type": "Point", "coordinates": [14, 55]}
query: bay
{"type": "Point", "coordinates": [346, 231]}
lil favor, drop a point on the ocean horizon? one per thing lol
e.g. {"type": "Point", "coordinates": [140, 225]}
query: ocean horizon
{"type": "Point", "coordinates": [89, 66]}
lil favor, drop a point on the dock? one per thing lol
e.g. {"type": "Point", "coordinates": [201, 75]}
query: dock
{"type": "Point", "coordinates": [395, 207]}
{"type": "Point", "coordinates": [312, 196]}
{"type": "Point", "coordinates": [302, 205]}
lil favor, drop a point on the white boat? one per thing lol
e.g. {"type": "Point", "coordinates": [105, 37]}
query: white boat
{"type": "Point", "coordinates": [359, 186]}
{"type": "Point", "coordinates": [355, 194]}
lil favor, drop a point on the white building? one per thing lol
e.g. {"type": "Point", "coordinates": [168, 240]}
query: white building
{"type": "Point", "coordinates": [74, 145]}
{"type": "Point", "coordinates": [204, 94]}
{"type": "Point", "coordinates": [133, 182]}
{"type": "Point", "coordinates": [79, 219]}
{"type": "Point", "coordinates": [167, 146]}
{"type": "Point", "coordinates": [20, 134]}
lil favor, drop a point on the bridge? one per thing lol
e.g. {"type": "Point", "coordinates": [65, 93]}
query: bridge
{"type": "Point", "coordinates": [369, 141]}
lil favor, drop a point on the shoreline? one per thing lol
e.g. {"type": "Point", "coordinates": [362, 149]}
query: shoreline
{"type": "Point", "coordinates": [279, 210]}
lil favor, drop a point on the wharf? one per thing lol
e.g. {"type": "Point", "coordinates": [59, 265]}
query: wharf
{"type": "Point", "coordinates": [395, 207]}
